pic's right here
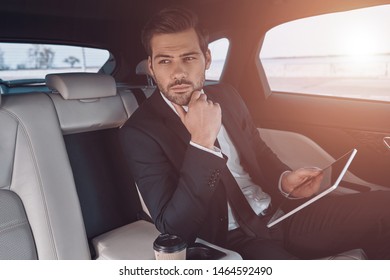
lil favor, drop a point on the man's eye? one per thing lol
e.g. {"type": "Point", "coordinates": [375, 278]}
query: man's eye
{"type": "Point", "coordinates": [189, 58]}
{"type": "Point", "coordinates": [164, 61]}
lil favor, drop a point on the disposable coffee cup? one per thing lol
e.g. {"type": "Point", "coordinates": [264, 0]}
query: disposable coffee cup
{"type": "Point", "coordinates": [169, 247]}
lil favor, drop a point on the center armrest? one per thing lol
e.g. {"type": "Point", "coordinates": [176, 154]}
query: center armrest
{"type": "Point", "coordinates": [135, 242]}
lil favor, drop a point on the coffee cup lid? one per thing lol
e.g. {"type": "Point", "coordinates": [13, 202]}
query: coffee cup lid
{"type": "Point", "coordinates": [168, 243]}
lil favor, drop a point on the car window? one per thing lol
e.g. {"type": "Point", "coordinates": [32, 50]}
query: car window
{"type": "Point", "coordinates": [34, 61]}
{"type": "Point", "coordinates": [219, 50]}
{"type": "Point", "coordinates": [344, 54]}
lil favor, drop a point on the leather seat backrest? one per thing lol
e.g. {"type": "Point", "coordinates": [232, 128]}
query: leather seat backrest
{"type": "Point", "coordinates": [90, 112]}
{"type": "Point", "coordinates": [34, 165]}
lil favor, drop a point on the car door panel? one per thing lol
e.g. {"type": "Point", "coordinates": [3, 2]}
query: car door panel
{"type": "Point", "coordinates": [337, 125]}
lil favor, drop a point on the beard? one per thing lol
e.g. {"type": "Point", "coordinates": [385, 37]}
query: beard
{"type": "Point", "coordinates": [182, 98]}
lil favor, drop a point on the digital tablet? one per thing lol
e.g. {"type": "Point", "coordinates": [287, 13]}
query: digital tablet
{"type": "Point", "coordinates": [331, 177]}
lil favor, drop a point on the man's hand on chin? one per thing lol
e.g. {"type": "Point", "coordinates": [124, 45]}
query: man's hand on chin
{"type": "Point", "coordinates": [203, 119]}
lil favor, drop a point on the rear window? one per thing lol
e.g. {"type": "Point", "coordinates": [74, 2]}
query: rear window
{"type": "Point", "coordinates": [219, 50]}
{"type": "Point", "coordinates": [34, 61]}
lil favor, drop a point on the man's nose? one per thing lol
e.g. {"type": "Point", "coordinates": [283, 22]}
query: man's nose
{"type": "Point", "coordinates": [179, 72]}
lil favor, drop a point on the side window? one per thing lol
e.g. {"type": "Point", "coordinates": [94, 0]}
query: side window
{"type": "Point", "coordinates": [219, 50]}
{"type": "Point", "coordinates": [345, 54]}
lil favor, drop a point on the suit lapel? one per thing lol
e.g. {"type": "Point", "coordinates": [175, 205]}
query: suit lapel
{"type": "Point", "coordinates": [234, 128]}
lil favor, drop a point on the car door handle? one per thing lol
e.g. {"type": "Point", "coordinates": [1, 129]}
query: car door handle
{"type": "Point", "coordinates": [386, 140]}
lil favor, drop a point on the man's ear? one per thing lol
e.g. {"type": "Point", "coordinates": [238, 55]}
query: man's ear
{"type": "Point", "coordinates": [208, 58]}
{"type": "Point", "coordinates": [150, 67]}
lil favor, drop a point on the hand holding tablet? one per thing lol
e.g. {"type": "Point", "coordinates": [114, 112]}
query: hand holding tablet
{"type": "Point", "coordinates": [303, 182]}
{"type": "Point", "coordinates": [315, 186]}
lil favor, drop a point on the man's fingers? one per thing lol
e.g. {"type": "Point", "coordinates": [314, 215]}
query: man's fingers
{"type": "Point", "coordinates": [195, 96]}
{"type": "Point", "coordinates": [309, 171]}
{"type": "Point", "coordinates": [179, 109]}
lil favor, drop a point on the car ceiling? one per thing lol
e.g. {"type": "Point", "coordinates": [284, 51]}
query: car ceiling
{"type": "Point", "coordinates": [116, 24]}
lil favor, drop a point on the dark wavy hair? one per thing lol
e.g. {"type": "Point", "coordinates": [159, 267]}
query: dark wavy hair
{"type": "Point", "coordinates": [173, 20]}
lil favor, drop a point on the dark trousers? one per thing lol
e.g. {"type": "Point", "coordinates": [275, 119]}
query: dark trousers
{"type": "Point", "coordinates": [331, 225]}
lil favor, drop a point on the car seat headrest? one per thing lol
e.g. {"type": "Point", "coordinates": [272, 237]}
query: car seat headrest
{"type": "Point", "coordinates": [142, 68]}
{"type": "Point", "coordinates": [82, 85]}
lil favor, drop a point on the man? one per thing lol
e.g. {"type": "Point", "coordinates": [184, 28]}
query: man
{"type": "Point", "coordinates": [190, 185]}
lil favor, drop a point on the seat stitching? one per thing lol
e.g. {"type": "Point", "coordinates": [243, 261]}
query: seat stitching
{"type": "Point", "coordinates": [11, 225]}
{"type": "Point", "coordinates": [2, 110]}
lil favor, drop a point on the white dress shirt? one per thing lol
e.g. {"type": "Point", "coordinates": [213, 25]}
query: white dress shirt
{"type": "Point", "coordinates": [257, 199]}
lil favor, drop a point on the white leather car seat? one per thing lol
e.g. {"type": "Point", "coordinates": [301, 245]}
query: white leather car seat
{"type": "Point", "coordinates": [39, 211]}
{"type": "Point", "coordinates": [87, 102]}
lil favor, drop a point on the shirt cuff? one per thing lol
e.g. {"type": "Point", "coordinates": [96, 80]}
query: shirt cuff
{"type": "Point", "coordinates": [280, 184]}
{"type": "Point", "coordinates": [215, 151]}
{"type": "Point", "coordinates": [287, 195]}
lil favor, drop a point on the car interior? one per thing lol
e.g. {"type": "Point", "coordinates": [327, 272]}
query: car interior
{"type": "Point", "coordinates": [65, 188]}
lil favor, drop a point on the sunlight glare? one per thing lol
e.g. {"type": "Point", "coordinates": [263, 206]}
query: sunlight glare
{"type": "Point", "coordinates": [360, 40]}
